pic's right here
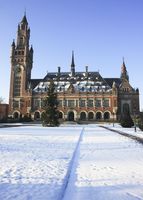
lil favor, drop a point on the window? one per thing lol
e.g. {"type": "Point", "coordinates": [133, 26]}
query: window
{"type": "Point", "coordinates": [106, 103]}
{"type": "Point", "coordinates": [17, 86]}
{"type": "Point", "coordinates": [60, 103]}
{"type": "Point", "coordinates": [90, 103]}
{"type": "Point", "coordinates": [37, 103]}
{"type": "Point", "coordinates": [71, 103]}
{"type": "Point", "coordinates": [21, 40]}
{"type": "Point", "coordinates": [82, 103]}
{"type": "Point", "coordinates": [98, 103]}
{"type": "Point", "coordinates": [16, 104]}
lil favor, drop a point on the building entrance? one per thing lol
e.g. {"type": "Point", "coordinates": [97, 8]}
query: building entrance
{"type": "Point", "coordinates": [71, 116]}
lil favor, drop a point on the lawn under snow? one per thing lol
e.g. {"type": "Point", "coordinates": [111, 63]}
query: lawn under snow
{"type": "Point", "coordinates": [70, 163]}
{"type": "Point", "coordinates": [34, 161]}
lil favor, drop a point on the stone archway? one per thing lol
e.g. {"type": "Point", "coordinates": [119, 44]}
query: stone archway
{"type": "Point", "coordinates": [98, 116]}
{"type": "Point", "coordinates": [106, 115]}
{"type": "Point", "coordinates": [90, 116]}
{"type": "Point", "coordinates": [36, 115]}
{"type": "Point", "coordinates": [82, 116]}
{"type": "Point", "coordinates": [16, 115]}
{"type": "Point", "coordinates": [71, 116]}
{"type": "Point", "coordinates": [60, 115]}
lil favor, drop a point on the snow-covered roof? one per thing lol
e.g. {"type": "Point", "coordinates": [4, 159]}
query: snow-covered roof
{"type": "Point", "coordinates": [81, 81]}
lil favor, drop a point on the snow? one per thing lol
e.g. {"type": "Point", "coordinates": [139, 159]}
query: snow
{"type": "Point", "coordinates": [71, 162]}
{"type": "Point", "coordinates": [34, 161]}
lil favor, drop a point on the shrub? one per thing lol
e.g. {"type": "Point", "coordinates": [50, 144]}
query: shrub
{"type": "Point", "coordinates": [126, 120]}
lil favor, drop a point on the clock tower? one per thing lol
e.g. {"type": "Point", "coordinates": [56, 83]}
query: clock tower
{"type": "Point", "coordinates": [21, 66]}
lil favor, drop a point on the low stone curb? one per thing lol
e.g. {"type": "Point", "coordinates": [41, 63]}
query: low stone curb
{"type": "Point", "coordinates": [133, 137]}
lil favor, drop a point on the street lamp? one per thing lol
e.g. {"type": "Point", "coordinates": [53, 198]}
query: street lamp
{"type": "Point", "coordinates": [135, 126]}
{"type": "Point", "coordinates": [113, 118]}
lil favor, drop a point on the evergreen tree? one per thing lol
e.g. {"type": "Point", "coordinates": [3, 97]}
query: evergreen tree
{"type": "Point", "coordinates": [126, 120]}
{"type": "Point", "coordinates": [50, 115]}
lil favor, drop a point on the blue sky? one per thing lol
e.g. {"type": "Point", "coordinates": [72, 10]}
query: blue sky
{"type": "Point", "coordinates": [100, 32]}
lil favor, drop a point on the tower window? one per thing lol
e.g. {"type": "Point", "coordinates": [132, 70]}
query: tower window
{"type": "Point", "coordinates": [16, 104]}
{"type": "Point", "coordinates": [17, 86]}
{"type": "Point", "coordinates": [21, 40]}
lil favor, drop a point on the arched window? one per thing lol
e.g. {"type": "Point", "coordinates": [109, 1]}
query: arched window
{"type": "Point", "coordinates": [98, 115]}
{"type": "Point", "coordinates": [90, 115]}
{"type": "Point", "coordinates": [106, 115]}
{"type": "Point", "coordinates": [83, 116]}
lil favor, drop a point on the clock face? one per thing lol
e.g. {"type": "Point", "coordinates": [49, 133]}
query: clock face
{"type": "Point", "coordinates": [17, 68]}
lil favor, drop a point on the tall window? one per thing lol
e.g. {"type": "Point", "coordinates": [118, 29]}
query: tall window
{"type": "Point", "coordinates": [16, 104]}
{"type": "Point", "coordinates": [60, 103]}
{"type": "Point", "coordinates": [71, 103]}
{"type": "Point", "coordinates": [82, 103]}
{"type": "Point", "coordinates": [21, 41]}
{"type": "Point", "coordinates": [37, 103]}
{"type": "Point", "coordinates": [98, 103]}
{"type": "Point", "coordinates": [17, 86]}
{"type": "Point", "coordinates": [90, 103]}
{"type": "Point", "coordinates": [106, 102]}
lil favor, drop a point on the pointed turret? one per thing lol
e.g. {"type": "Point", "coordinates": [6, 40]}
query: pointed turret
{"type": "Point", "coordinates": [31, 49]}
{"type": "Point", "coordinates": [12, 49]}
{"type": "Point", "coordinates": [13, 44]}
{"type": "Point", "coordinates": [124, 73]}
{"type": "Point", "coordinates": [24, 19]}
{"type": "Point", "coordinates": [72, 65]}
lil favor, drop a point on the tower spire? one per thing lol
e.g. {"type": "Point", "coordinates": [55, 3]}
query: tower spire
{"type": "Point", "coordinates": [24, 19]}
{"type": "Point", "coordinates": [124, 73]}
{"type": "Point", "coordinates": [72, 65]}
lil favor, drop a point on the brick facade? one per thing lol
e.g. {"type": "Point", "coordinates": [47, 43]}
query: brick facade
{"type": "Point", "coordinates": [82, 95]}
{"type": "Point", "coordinates": [3, 111]}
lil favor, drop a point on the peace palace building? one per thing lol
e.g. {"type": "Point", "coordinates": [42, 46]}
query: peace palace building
{"type": "Point", "coordinates": [82, 96]}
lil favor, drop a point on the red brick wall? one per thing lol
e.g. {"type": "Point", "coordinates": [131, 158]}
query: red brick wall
{"type": "Point", "coordinates": [3, 111]}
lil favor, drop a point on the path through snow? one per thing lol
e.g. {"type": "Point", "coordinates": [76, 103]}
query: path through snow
{"type": "Point", "coordinates": [69, 163]}
{"type": "Point", "coordinates": [108, 166]}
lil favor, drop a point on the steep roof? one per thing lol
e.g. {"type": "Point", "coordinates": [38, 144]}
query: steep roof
{"type": "Point", "coordinates": [111, 80]}
{"type": "Point", "coordinates": [81, 81]}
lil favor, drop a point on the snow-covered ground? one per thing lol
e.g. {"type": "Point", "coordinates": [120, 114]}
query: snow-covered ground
{"type": "Point", "coordinates": [72, 162]}
{"type": "Point", "coordinates": [34, 161]}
